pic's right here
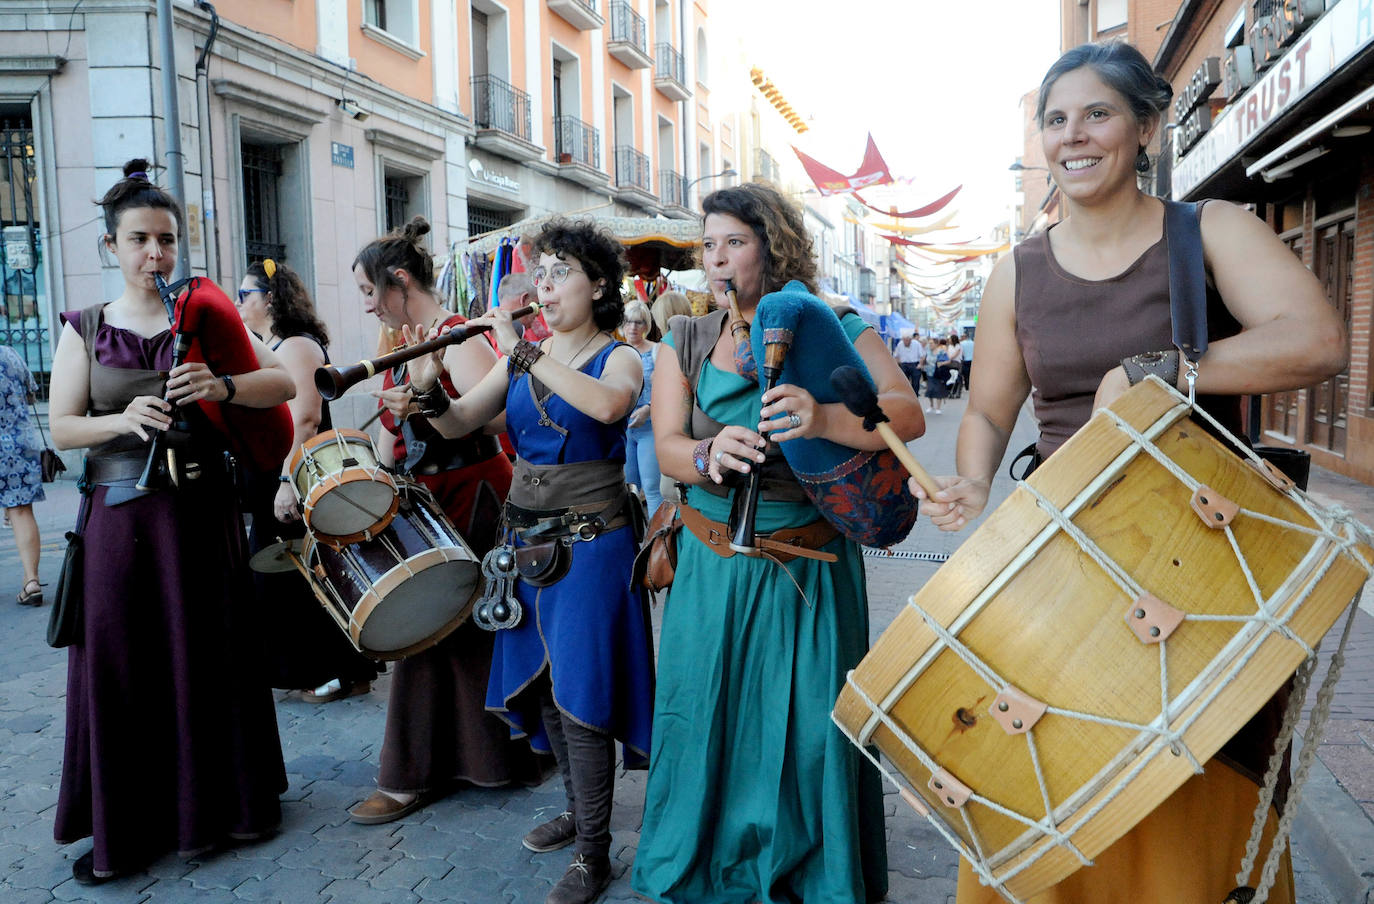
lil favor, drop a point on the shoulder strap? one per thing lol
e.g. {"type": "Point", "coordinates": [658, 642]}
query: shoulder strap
{"type": "Point", "coordinates": [694, 338]}
{"type": "Point", "coordinates": [1187, 278]}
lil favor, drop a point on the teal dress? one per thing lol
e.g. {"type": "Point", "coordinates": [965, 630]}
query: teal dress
{"type": "Point", "coordinates": [753, 793]}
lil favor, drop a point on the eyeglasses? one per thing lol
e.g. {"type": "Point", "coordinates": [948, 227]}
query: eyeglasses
{"type": "Point", "coordinates": [557, 274]}
{"type": "Point", "coordinates": [639, 323]}
{"type": "Point", "coordinates": [244, 293]}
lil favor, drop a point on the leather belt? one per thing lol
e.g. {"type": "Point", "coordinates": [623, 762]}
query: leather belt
{"type": "Point", "coordinates": [784, 544]}
{"type": "Point", "coordinates": [583, 521]}
{"type": "Point", "coordinates": [111, 469]}
{"type": "Point", "coordinates": [449, 455]}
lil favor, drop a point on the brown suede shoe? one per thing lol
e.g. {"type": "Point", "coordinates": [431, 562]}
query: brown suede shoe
{"type": "Point", "coordinates": [381, 808]}
{"type": "Point", "coordinates": [558, 832]}
{"type": "Point", "coordinates": [585, 880]}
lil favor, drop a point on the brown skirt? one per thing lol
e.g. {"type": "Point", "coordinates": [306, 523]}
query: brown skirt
{"type": "Point", "coordinates": [1186, 852]}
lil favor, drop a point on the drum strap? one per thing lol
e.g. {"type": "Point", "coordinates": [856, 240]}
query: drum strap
{"type": "Point", "coordinates": [1187, 278]}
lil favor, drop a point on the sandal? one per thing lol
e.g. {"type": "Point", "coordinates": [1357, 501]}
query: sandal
{"type": "Point", "coordinates": [32, 597]}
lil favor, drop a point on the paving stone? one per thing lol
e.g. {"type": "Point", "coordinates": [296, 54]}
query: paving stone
{"type": "Point", "coordinates": [407, 873]}
{"type": "Point", "coordinates": [43, 871]}
{"type": "Point", "coordinates": [177, 891]}
{"type": "Point", "coordinates": [426, 841]}
{"type": "Point", "coordinates": [341, 860]}
{"type": "Point", "coordinates": [32, 722]}
{"type": "Point", "coordinates": [285, 885]}
{"type": "Point", "coordinates": [24, 895]}
{"type": "Point", "coordinates": [128, 890]}
{"type": "Point", "coordinates": [354, 891]}
{"type": "Point", "coordinates": [229, 872]}
{"type": "Point", "coordinates": [313, 767]}
{"type": "Point", "coordinates": [279, 844]}
{"type": "Point", "coordinates": [473, 885]}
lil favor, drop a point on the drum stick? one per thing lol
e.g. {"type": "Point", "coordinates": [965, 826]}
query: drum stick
{"type": "Point", "coordinates": [861, 399]}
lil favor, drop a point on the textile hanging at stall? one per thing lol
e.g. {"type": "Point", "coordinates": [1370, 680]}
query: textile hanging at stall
{"type": "Point", "coordinates": [873, 171]}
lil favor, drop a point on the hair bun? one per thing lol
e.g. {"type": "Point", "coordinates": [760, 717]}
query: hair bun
{"type": "Point", "coordinates": [1165, 88]}
{"type": "Point", "coordinates": [416, 229]}
{"type": "Point", "coordinates": [137, 165]}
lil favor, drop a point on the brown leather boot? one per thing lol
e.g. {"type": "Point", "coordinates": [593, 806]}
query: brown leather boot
{"type": "Point", "coordinates": [585, 880]}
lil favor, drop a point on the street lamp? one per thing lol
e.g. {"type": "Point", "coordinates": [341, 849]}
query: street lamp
{"type": "Point", "coordinates": [724, 172]}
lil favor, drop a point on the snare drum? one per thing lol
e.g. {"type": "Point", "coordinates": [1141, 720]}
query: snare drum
{"type": "Point", "coordinates": [1098, 638]}
{"type": "Point", "coordinates": [344, 492]}
{"type": "Point", "coordinates": [405, 589]}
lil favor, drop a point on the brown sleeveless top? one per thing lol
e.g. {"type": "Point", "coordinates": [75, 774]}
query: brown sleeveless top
{"type": "Point", "coordinates": [1072, 331]}
{"type": "Point", "coordinates": [111, 389]}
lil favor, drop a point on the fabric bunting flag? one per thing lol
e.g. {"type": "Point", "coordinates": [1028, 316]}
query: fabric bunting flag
{"type": "Point", "coordinates": [873, 171]}
{"type": "Point", "coordinates": [936, 205]}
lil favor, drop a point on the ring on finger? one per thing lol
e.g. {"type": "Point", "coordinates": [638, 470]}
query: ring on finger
{"type": "Point", "coordinates": [794, 419]}
{"type": "Point", "coordinates": [719, 454]}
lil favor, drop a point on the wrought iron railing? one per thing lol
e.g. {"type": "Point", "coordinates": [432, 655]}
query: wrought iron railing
{"type": "Point", "coordinates": [24, 302]}
{"type": "Point", "coordinates": [577, 142]}
{"type": "Point", "coordinates": [672, 188]}
{"type": "Point", "coordinates": [632, 169]}
{"type": "Point", "coordinates": [765, 167]}
{"type": "Point", "coordinates": [501, 106]}
{"type": "Point", "coordinates": [668, 63]}
{"type": "Point", "coordinates": [628, 25]}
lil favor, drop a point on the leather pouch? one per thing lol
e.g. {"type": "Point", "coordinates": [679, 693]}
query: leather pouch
{"type": "Point", "coordinates": [656, 562]}
{"type": "Point", "coordinates": [542, 564]}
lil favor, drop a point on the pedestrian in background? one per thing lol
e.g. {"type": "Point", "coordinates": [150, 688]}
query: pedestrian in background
{"type": "Point", "coordinates": [937, 376]}
{"type": "Point", "coordinates": [21, 483]}
{"type": "Point", "coordinates": [955, 379]}
{"type": "Point", "coordinates": [668, 305]}
{"type": "Point", "coordinates": [966, 365]}
{"type": "Point", "coordinates": [641, 461]}
{"type": "Point", "coordinates": [909, 354]}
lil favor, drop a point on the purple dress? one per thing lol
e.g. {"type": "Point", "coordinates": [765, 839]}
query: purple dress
{"type": "Point", "coordinates": [171, 743]}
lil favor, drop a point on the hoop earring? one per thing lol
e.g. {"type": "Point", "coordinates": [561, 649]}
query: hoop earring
{"type": "Point", "coordinates": [1142, 161]}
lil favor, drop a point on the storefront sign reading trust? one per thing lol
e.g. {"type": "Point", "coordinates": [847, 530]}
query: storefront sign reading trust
{"type": "Point", "coordinates": [1345, 30]}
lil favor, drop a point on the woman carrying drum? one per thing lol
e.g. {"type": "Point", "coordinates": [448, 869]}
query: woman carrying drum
{"type": "Point", "coordinates": [576, 673]}
{"type": "Point", "coordinates": [1039, 333]}
{"type": "Point", "coordinates": [753, 793]}
{"type": "Point", "coordinates": [438, 732]}
{"type": "Point", "coordinates": [171, 744]}
{"type": "Point", "coordinates": [304, 649]}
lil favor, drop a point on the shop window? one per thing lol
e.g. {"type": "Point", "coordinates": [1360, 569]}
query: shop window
{"type": "Point", "coordinates": [482, 220]}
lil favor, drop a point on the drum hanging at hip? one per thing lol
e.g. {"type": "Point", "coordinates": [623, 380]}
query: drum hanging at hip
{"type": "Point", "coordinates": [405, 589]}
{"type": "Point", "coordinates": [1105, 631]}
{"type": "Point", "coordinates": [345, 494]}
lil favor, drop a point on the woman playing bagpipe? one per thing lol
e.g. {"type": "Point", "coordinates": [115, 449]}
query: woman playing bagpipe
{"type": "Point", "coordinates": [1039, 334]}
{"type": "Point", "coordinates": [753, 794]}
{"type": "Point", "coordinates": [170, 745]}
{"type": "Point", "coordinates": [438, 732]}
{"type": "Point", "coordinates": [573, 666]}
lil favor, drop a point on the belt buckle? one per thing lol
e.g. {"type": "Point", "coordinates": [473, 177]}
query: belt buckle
{"type": "Point", "coordinates": [587, 530]}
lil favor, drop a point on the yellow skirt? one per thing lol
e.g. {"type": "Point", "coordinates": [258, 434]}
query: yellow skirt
{"type": "Point", "coordinates": [1186, 852]}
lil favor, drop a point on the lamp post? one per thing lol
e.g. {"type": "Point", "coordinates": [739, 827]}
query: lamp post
{"type": "Point", "coordinates": [721, 174]}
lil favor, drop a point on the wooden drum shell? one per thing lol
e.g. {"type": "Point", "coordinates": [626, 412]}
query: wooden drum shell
{"type": "Point", "coordinates": [1046, 618]}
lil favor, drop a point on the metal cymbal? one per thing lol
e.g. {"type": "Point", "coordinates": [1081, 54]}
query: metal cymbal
{"type": "Point", "coordinates": [277, 558]}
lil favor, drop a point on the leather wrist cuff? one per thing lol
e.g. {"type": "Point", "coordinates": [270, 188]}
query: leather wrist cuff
{"type": "Point", "coordinates": [523, 356]}
{"type": "Point", "coordinates": [432, 402]}
{"type": "Point", "coordinates": [1163, 364]}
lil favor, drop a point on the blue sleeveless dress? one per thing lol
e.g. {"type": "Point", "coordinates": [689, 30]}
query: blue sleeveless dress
{"type": "Point", "coordinates": [591, 629]}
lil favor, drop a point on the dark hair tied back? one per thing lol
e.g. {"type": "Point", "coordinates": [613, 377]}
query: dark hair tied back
{"type": "Point", "coordinates": [1123, 68]}
{"type": "Point", "coordinates": [136, 190]}
{"type": "Point", "coordinates": [400, 249]}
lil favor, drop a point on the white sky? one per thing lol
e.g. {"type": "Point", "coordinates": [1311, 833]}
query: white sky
{"type": "Point", "coordinates": [937, 83]}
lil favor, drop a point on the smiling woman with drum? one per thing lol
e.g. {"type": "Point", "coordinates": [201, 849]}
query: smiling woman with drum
{"type": "Point", "coordinates": [438, 732]}
{"type": "Point", "coordinates": [303, 649]}
{"type": "Point", "coordinates": [572, 669]}
{"type": "Point", "coordinates": [1039, 332]}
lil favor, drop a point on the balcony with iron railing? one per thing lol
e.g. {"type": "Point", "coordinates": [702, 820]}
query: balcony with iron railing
{"type": "Point", "coordinates": [629, 42]}
{"type": "Point", "coordinates": [580, 14]}
{"type": "Point", "coordinates": [765, 167]}
{"type": "Point", "coordinates": [670, 72]}
{"type": "Point", "coordinates": [672, 190]}
{"type": "Point", "coordinates": [501, 113]}
{"type": "Point", "coordinates": [577, 147]}
{"type": "Point", "coordinates": [633, 178]}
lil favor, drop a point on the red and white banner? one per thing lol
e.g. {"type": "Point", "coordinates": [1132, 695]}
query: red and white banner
{"type": "Point", "coordinates": [873, 171]}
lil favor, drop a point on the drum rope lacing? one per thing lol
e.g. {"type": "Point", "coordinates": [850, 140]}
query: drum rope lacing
{"type": "Point", "coordinates": [1338, 527]}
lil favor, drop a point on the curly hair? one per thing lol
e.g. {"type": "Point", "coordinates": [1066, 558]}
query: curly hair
{"type": "Point", "coordinates": [600, 255]}
{"type": "Point", "coordinates": [288, 301]}
{"type": "Point", "coordinates": [137, 190]}
{"type": "Point", "coordinates": [787, 248]}
{"type": "Point", "coordinates": [400, 249]}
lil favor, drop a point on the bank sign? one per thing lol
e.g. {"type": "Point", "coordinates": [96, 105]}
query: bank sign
{"type": "Point", "coordinates": [1345, 30]}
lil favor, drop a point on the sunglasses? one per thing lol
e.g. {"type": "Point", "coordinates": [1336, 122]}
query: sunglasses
{"type": "Point", "coordinates": [557, 274]}
{"type": "Point", "coordinates": [244, 293]}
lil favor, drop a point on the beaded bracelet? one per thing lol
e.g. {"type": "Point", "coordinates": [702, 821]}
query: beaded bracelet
{"type": "Point", "coordinates": [701, 456]}
{"type": "Point", "coordinates": [523, 356]}
{"type": "Point", "coordinates": [432, 402]}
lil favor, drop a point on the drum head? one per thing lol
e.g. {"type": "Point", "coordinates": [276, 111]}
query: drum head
{"type": "Point", "coordinates": [352, 507]}
{"type": "Point", "coordinates": [421, 607]}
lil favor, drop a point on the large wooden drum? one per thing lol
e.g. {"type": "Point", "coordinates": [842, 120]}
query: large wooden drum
{"type": "Point", "coordinates": [1107, 629]}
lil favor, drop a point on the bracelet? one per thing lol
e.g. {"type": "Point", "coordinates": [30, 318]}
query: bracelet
{"type": "Point", "coordinates": [523, 356]}
{"type": "Point", "coordinates": [701, 456]}
{"type": "Point", "coordinates": [432, 402]}
{"type": "Point", "coordinates": [1163, 364]}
